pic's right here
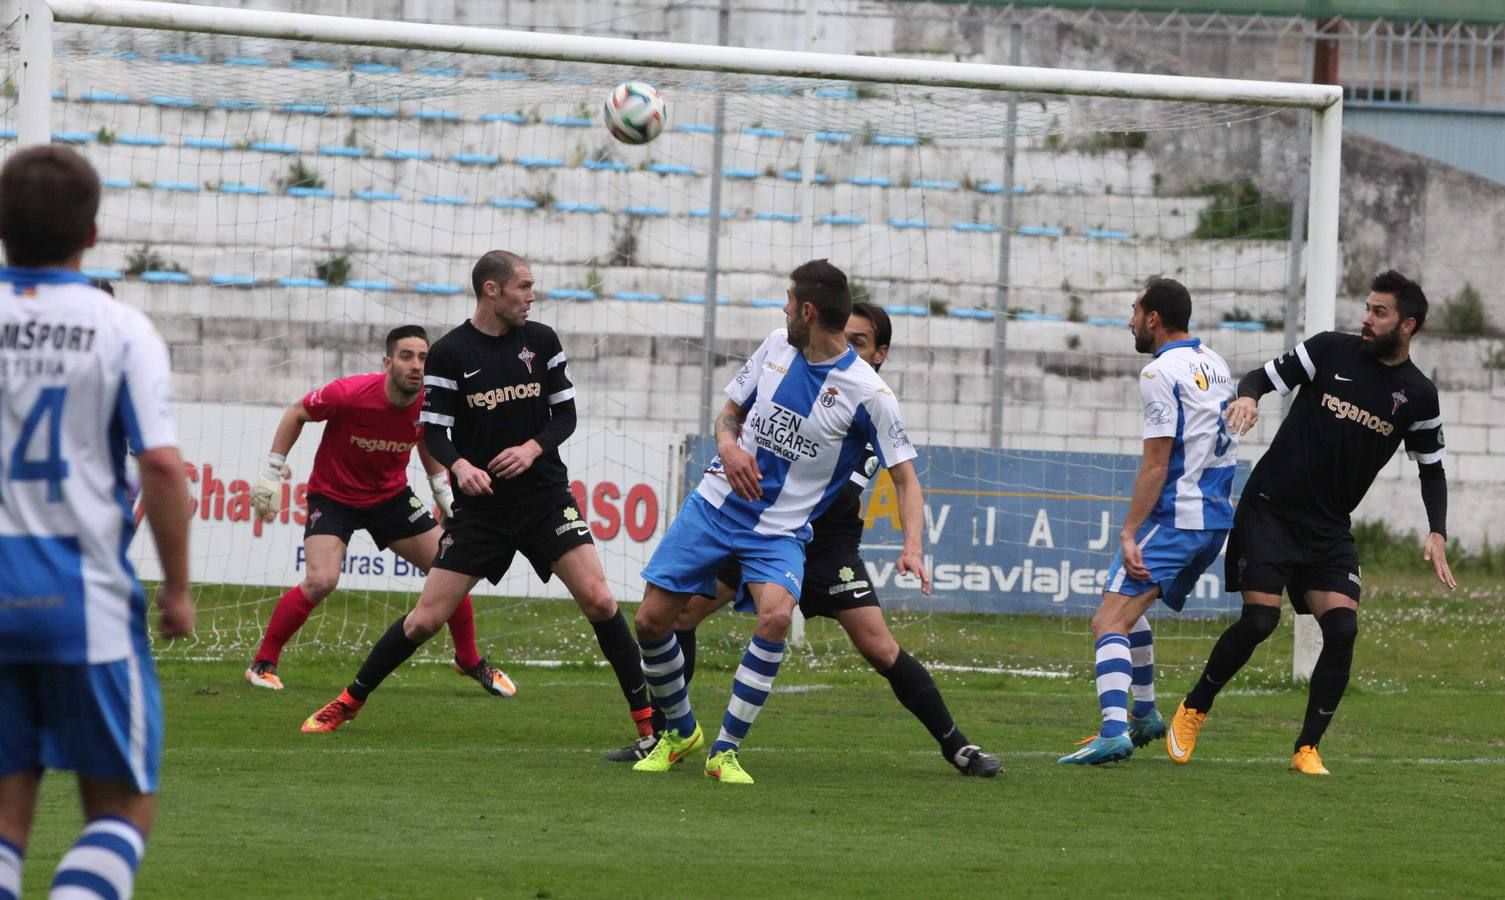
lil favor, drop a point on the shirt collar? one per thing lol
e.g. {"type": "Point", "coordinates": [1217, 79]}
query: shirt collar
{"type": "Point", "coordinates": [25, 277]}
{"type": "Point", "coordinates": [1193, 343]}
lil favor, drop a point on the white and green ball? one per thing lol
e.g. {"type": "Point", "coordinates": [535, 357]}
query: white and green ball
{"type": "Point", "coordinates": [634, 112]}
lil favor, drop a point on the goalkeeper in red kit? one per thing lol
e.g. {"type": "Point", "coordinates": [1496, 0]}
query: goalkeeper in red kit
{"type": "Point", "coordinates": [360, 481]}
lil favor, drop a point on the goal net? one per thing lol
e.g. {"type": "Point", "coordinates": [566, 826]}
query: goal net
{"type": "Point", "coordinates": [276, 205]}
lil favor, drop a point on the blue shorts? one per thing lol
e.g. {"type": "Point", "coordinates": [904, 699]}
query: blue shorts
{"type": "Point", "coordinates": [701, 540]}
{"type": "Point", "coordinates": [102, 721]}
{"type": "Point", "coordinates": [1175, 558]}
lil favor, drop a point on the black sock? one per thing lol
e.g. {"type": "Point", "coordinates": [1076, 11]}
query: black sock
{"type": "Point", "coordinates": [621, 650]}
{"type": "Point", "coordinates": [687, 648]}
{"type": "Point", "coordinates": [392, 650]}
{"type": "Point", "coordinates": [1340, 626]}
{"type": "Point", "coordinates": [1233, 649]}
{"type": "Point", "coordinates": [915, 689]}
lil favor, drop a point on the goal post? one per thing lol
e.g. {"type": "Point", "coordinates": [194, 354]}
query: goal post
{"type": "Point", "coordinates": [1323, 103]}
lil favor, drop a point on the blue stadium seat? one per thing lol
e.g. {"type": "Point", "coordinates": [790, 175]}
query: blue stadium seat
{"type": "Point", "coordinates": [695, 128]}
{"type": "Point", "coordinates": [762, 132]}
{"type": "Point", "coordinates": [437, 115]}
{"type": "Point", "coordinates": [233, 280]}
{"type": "Point", "coordinates": [119, 184]}
{"type": "Point", "coordinates": [187, 187]}
{"type": "Point", "coordinates": [1041, 231]}
{"type": "Point", "coordinates": [836, 93]}
{"type": "Point", "coordinates": [971, 314]}
{"type": "Point", "coordinates": [699, 299]}
{"type": "Point", "coordinates": [342, 151]}
{"type": "Point", "coordinates": [639, 296]}
{"type": "Point", "coordinates": [1027, 316]}
{"type": "Point", "coordinates": [514, 203]}
{"type": "Point", "coordinates": [514, 118]}
{"type": "Point", "coordinates": [155, 277]}
{"type": "Point", "coordinates": [929, 184]}
{"type": "Point", "coordinates": [236, 188]}
{"type": "Point", "coordinates": [974, 226]}
{"type": "Point", "coordinates": [870, 181]}
{"type": "Point", "coordinates": [776, 217]}
{"type": "Point", "coordinates": [430, 287]}
{"type": "Point", "coordinates": [73, 137]}
{"type": "Point", "coordinates": [208, 143]}
{"type": "Point", "coordinates": [185, 59]}
{"type": "Point", "coordinates": [474, 159]}
{"type": "Point", "coordinates": [312, 65]}
{"type": "Point", "coordinates": [272, 147]}
{"type": "Point", "coordinates": [1242, 326]}
{"type": "Point", "coordinates": [440, 71]}
{"type": "Point", "coordinates": [174, 102]}
{"type": "Point", "coordinates": [565, 206]}
{"type": "Point", "coordinates": [670, 169]}
{"type": "Point", "coordinates": [765, 303]}
{"type": "Point", "coordinates": [539, 162]}
{"type": "Point", "coordinates": [908, 223]}
{"type": "Point", "coordinates": [1107, 234]}
{"type": "Point", "coordinates": [907, 310]}
{"type": "Point", "coordinates": [238, 104]}
{"type": "Point", "coordinates": [797, 175]}
{"type": "Point", "coordinates": [363, 285]}
{"type": "Point", "coordinates": [1117, 321]}
{"type": "Point", "coordinates": [606, 165]}
{"type": "Point", "coordinates": [441, 200]}
{"type": "Point", "coordinates": [310, 109]}
{"type": "Point", "coordinates": [888, 140]}
{"type": "Point", "coordinates": [993, 187]}
{"type": "Point", "coordinates": [8, 134]}
{"type": "Point", "coordinates": [371, 112]}
{"type": "Point", "coordinates": [408, 154]}
{"type": "Point", "coordinates": [508, 76]}
{"type": "Point", "coordinates": [302, 283]}
{"type": "Point", "coordinates": [376, 69]}
{"type": "Point", "coordinates": [374, 196]}
{"type": "Point", "coordinates": [569, 294]}
{"type": "Point", "coordinates": [645, 212]}
{"type": "Point", "coordinates": [832, 137]}
{"type": "Point", "coordinates": [321, 193]}
{"type": "Point", "coordinates": [248, 61]}
{"type": "Point", "coordinates": [105, 97]}
{"type": "Point", "coordinates": [139, 140]}
{"type": "Point", "coordinates": [568, 121]}
{"type": "Point", "coordinates": [106, 274]}
{"type": "Point", "coordinates": [706, 214]}
{"type": "Point", "coordinates": [735, 172]}
{"type": "Point", "coordinates": [842, 220]}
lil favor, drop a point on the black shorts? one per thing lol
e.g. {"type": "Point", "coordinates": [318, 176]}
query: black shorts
{"type": "Point", "coordinates": [482, 542]}
{"type": "Point", "coordinates": [1270, 553]}
{"type": "Point", "coordinates": [835, 579]}
{"type": "Point", "coordinates": [403, 516]}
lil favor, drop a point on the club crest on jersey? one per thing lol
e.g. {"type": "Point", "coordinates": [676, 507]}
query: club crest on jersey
{"type": "Point", "coordinates": [445, 543]}
{"type": "Point", "coordinates": [527, 357]}
{"type": "Point", "coordinates": [314, 518]}
{"type": "Point", "coordinates": [1398, 400]}
{"type": "Point", "coordinates": [828, 397]}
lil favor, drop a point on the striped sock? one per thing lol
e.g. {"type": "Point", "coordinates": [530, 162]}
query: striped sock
{"type": "Point", "coordinates": [1142, 655]}
{"type": "Point", "coordinates": [664, 669]}
{"type": "Point", "coordinates": [102, 864]}
{"type": "Point", "coordinates": [10, 870]}
{"type": "Point", "coordinates": [749, 692]}
{"type": "Point", "coordinates": [1113, 668]}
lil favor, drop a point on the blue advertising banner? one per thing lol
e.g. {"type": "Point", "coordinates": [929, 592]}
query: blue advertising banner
{"type": "Point", "coordinates": [1007, 531]}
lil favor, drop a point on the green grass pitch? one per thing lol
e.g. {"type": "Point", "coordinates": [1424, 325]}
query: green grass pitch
{"type": "Point", "coordinates": [438, 790]}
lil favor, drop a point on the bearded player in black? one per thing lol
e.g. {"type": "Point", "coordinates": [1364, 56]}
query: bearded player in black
{"type": "Point", "coordinates": [836, 585]}
{"type": "Point", "coordinates": [497, 404]}
{"type": "Point", "coordinates": [1361, 397]}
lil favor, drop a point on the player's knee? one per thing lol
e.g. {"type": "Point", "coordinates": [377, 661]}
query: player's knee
{"type": "Point", "coordinates": [1340, 626]}
{"type": "Point", "coordinates": [880, 651]}
{"type": "Point", "coordinates": [419, 627]}
{"type": "Point", "coordinates": [1259, 621]}
{"type": "Point", "coordinates": [598, 605]}
{"type": "Point", "coordinates": [774, 621]}
{"type": "Point", "coordinates": [1102, 623]}
{"type": "Point", "coordinates": [649, 627]}
{"type": "Point", "coordinates": [317, 587]}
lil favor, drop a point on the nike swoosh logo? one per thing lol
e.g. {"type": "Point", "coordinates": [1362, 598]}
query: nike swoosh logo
{"type": "Point", "coordinates": [472, 374]}
{"type": "Point", "coordinates": [1341, 378]}
{"type": "Point", "coordinates": [1175, 746]}
{"type": "Point", "coordinates": [1326, 712]}
{"type": "Point", "coordinates": [861, 595]}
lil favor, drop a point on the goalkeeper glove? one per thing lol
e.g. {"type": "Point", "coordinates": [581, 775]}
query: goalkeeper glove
{"type": "Point", "coordinates": [266, 493]}
{"type": "Point", "coordinates": [444, 495]}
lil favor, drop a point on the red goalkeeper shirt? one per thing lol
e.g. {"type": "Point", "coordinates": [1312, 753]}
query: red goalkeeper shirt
{"type": "Point", "coordinates": [363, 456]}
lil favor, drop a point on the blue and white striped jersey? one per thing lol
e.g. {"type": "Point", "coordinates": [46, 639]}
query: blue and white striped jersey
{"type": "Point", "coordinates": [807, 426]}
{"type": "Point", "coordinates": [1185, 389]}
{"type": "Point", "coordinates": [83, 379]}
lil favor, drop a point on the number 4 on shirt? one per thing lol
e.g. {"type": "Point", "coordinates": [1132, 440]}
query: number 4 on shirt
{"type": "Point", "coordinates": [51, 468]}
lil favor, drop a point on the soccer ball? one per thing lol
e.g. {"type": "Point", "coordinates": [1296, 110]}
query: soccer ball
{"type": "Point", "coordinates": [634, 112]}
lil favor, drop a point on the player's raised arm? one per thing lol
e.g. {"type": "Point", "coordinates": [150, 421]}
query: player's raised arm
{"type": "Point", "coordinates": [268, 485]}
{"type": "Point", "coordinates": [1284, 374]}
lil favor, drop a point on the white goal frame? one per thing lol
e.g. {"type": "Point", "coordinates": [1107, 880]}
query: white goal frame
{"type": "Point", "coordinates": [1325, 102]}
